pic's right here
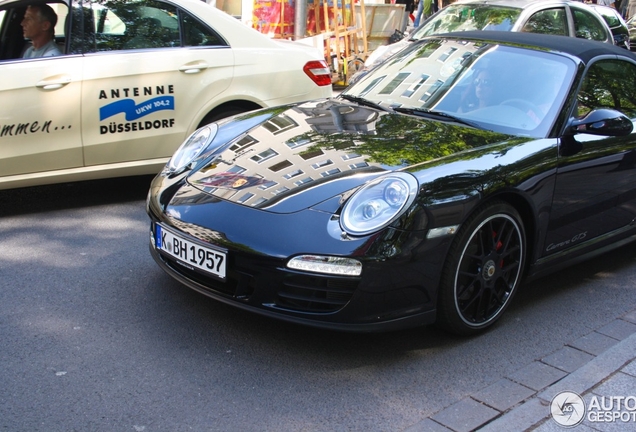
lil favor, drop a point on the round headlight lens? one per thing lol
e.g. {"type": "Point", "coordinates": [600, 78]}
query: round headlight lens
{"type": "Point", "coordinates": [192, 147]}
{"type": "Point", "coordinates": [378, 203]}
{"type": "Point", "coordinates": [396, 192]}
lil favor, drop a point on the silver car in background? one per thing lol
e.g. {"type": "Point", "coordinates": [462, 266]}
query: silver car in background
{"type": "Point", "coordinates": [559, 17]}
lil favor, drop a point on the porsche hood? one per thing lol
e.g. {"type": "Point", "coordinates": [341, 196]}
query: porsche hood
{"type": "Point", "coordinates": [300, 155]}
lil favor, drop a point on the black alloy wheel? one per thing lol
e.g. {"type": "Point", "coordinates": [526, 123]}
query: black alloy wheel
{"type": "Point", "coordinates": [483, 270]}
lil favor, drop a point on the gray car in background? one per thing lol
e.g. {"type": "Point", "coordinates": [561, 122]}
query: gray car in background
{"type": "Point", "coordinates": [559, 17]}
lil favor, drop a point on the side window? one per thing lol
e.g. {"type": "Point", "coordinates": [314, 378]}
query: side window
{"type": "Point", "coordinates": [587, 26]}
{"type": "Point", "coordinates": [610, 17]}
{"type": "Point", "coordinates": [197, 34]}
{"type": "Point", "coordinates": [82, 36]}
{"type": "Point", "coordinates": [609, 84]}
{"type": "Point", "coordinates": [154, 25]}
{"type": "Point", "coordinates": [549, 21]}
{"type": "Point", "coordinates": [16, 38]}
{"type": "Point", "coordinates": [106, 22]}
{"type": "Point", "coordinates": [13, 43]}
{"type": "Point", "coordinates": [115, 25]}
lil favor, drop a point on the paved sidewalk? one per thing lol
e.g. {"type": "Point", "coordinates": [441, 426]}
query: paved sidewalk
{"type": "Point", "coordinates": [600, 367]}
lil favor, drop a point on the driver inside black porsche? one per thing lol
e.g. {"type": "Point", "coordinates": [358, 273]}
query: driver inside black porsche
{"type": "Point", "coordinates": [479, 93]}
{"type": "Point", "coordinates": [529, 89]}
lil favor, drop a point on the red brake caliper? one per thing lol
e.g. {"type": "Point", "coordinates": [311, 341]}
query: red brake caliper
{"type": "Point", "coordinates": [498, 246]}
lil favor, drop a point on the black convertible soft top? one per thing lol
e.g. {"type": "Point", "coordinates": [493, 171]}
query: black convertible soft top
{"type": "Point", "coordinates": [584, 49]}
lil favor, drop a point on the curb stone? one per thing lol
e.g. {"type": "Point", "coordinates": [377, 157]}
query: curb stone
{"type": "Point", "coordinates": [521, 401]}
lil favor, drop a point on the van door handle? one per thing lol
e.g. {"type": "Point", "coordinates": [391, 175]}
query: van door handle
{"type": "Point", "coordinates": [193, 67]}
{"type": "Point", "coordinates": [54, 82]}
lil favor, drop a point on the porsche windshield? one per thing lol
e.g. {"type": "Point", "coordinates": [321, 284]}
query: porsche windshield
{"type": "Point", "coordinates": [506, 89]}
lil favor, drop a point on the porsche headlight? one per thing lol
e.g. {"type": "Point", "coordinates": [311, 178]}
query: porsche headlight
{"type": "Point", "coordinates": [192, 147]}
{"type": "Point", "coordinates": [378, 203]}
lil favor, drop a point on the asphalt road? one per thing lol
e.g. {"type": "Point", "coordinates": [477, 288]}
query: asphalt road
{"type": "Point", "coordinates": [95, 337]}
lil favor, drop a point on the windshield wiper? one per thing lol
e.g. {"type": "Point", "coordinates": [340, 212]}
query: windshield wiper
{"type": "Point", "coordinates": [364, 102]}
{"type": "Point", "coordinates": [424, 112]}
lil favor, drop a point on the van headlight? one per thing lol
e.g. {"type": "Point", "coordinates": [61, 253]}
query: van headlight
{"type": "Point", "coordinates": [379, 203]}
{"type": "Point", "coordinates": [192, 147]}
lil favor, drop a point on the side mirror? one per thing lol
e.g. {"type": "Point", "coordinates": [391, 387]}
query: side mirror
{"type": "Point", "coordinates": [607, 122]}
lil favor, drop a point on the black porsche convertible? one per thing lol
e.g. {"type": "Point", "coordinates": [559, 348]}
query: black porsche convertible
{"type": "Point", "coordinates": [424, 193]}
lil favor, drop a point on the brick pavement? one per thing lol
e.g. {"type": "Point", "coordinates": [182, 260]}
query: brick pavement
{"type": "Point", "coordinates": [600, 367]}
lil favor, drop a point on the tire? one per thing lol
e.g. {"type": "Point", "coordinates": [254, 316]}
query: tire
{"type": "Point", "coordinates": [483, 270]}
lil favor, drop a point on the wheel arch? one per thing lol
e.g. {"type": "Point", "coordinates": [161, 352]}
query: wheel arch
{"type": "Point", "coordinates": [528, 218]}
{"type": "Point", "coordinates": [450, 314]}
{"type": "Point", "coordinates": [228, 108]}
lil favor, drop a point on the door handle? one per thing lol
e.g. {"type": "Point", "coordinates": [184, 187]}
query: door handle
{"type": "Point", "coordinates": [193, 67]}
{"type": "Point", "coordinates": [54, 83]}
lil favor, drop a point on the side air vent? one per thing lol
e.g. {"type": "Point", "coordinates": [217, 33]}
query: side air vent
{"type": "Point", "coordinates": [317, 295]}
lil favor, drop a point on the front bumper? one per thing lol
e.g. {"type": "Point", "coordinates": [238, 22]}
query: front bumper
{"type": "Point", "coordinates": [264, 286]}
{"type": "Point", "coordinates": [397, 288]}
{"type": "Point", "coordinates": [243, 292]}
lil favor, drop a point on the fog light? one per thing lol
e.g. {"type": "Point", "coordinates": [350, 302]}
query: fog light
{"type": "Point", "coordinates": [327, 265]}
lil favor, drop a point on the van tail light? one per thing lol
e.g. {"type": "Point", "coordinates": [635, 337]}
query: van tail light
{"type": "Point", "coordinates": [319, 72]}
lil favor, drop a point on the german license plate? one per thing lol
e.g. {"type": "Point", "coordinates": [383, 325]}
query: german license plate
{"type": "Point", "coordinates": [189, 253]}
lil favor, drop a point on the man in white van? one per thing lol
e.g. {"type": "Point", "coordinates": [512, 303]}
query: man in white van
{"type": "Point", "coordinates": [38, 25]}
